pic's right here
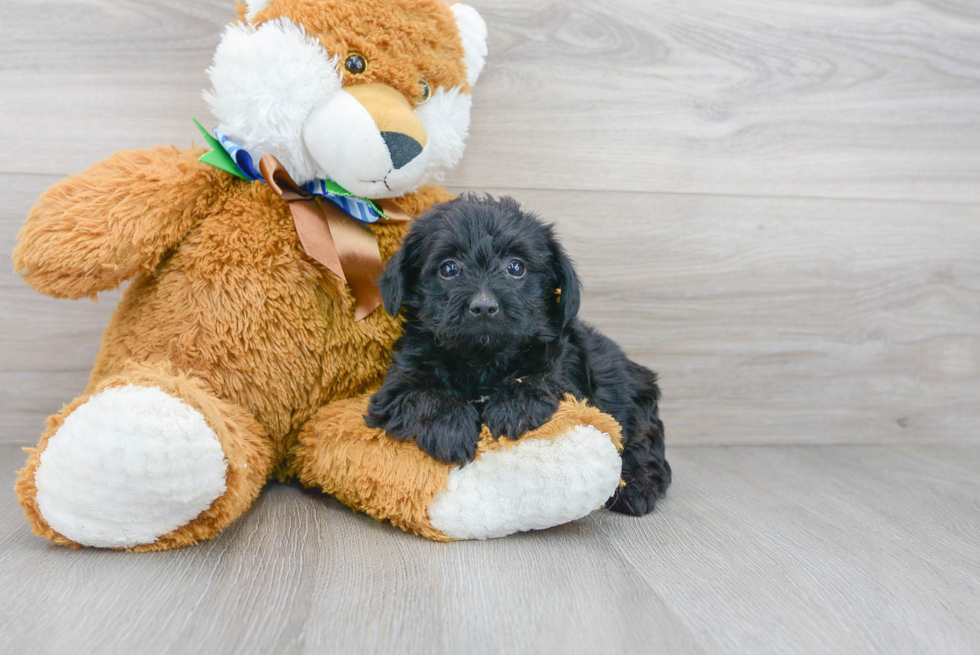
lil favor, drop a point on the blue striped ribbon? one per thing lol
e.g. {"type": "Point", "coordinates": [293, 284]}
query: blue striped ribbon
{"type": "Point", "coordinates": [357, 208]}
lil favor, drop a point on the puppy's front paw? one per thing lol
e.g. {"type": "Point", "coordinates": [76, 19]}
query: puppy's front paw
{"type": "Point", "coordinates": [514, 412]}
{"type": "Point", "coordinates": [451, 435]}
{"type": "Point", "coordinates": [442, 427]}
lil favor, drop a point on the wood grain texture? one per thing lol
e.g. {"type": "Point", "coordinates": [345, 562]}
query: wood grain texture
{"type": "Point", "coordinates": [833, 549]}
{"type": "Point", "coordinates": [853, 99]}
{"type": "Point", "coordinates": [770, 320]}
{"type": "Point", "coordinates": [778, 320]}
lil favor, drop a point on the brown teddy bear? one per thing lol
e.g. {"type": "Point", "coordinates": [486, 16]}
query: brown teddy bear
{"type": "Point", "coordinates": [250, 333]}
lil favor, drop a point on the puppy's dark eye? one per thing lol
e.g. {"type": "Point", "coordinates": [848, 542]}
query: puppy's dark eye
{"type": "Point", "coordinates": [516, 268]}
{"type": "Point", "coordinates": [449, 269]}
{"type": "Point", "coordinates": [355, 63]}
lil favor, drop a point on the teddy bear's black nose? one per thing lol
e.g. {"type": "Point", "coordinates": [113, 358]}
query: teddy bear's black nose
{"type": "Point", "coordinates": [402, 148]}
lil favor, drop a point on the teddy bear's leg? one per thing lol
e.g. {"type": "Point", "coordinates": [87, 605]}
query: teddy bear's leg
{"type": "Point", "coordinates": [558, 473]}
{"type": "Point", "coordinates": [148, 460]}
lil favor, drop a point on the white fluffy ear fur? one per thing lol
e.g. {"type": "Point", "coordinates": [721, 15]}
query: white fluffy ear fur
{"type": "Point", "coordinates": [254, 7]}
{"type": "Point", "coordinates": [473, 32]}
{"type": "Point", "coordinates": [446, 118]}
{"type": "Point", "coordinates": [265, 82]}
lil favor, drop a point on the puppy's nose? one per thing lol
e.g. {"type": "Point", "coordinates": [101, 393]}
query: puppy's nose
{"type": "Point", "coordinates": [484, 306]}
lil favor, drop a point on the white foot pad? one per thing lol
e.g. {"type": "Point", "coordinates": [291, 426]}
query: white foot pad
{"type": "Point", "coordinates": [535, 484]}
{"type": "Point", "coordinates": [128, 466]}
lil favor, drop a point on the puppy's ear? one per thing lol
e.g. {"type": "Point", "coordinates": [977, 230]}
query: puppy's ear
{"type": "Point", "coordinates": [392, 284]}
{"type": "Point", "coordinates": [397, 275]}
{"type": "Point", "coordinates": [566, 281]}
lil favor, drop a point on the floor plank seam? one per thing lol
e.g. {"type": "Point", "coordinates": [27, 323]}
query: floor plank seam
{"type": "Point", "coordinates": [973, 204]}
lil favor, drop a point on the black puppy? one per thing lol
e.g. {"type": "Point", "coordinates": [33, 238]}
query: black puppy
{"type": "Point", "coordinates": [490, 298]}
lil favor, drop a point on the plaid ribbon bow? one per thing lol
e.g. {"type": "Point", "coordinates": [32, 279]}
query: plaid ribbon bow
{"type": "Point", "coordinates": [346, 247]}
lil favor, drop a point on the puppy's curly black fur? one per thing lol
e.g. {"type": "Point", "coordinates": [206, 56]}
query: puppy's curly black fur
{"type": "Point", "coordinates": [490, 298]}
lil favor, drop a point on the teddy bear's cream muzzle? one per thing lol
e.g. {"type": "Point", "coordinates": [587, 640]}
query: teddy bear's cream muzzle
{"type": "Point", "coordinates": [373, 132]}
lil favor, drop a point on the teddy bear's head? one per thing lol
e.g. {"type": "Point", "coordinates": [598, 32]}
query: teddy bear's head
{"type": "Point", "coordinates": [372, 94]}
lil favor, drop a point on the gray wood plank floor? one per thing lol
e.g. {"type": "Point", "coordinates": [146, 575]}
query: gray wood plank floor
{"type": "Point", "coordinates": [773, 203]}
{"type": "Point", "coordinates": [828, 549]}
{"type": "Point", "coordinates": [846, 99]}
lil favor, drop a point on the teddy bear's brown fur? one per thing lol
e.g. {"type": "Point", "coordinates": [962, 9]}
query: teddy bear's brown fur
{"type": "Point", "coordinates": [226, 311]}
{"type": "Point", "coordinates": [404, 41]}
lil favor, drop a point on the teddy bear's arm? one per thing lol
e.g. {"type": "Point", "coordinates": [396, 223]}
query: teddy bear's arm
{"type": "Point", "coordinates": [92, 231]}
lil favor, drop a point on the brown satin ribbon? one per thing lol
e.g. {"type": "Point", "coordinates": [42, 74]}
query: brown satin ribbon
{"type": "Point", "coordinates": [342, 244]}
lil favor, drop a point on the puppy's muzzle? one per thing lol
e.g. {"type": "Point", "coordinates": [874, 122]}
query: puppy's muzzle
{"type": "Point", "coordinates": [484, 306]}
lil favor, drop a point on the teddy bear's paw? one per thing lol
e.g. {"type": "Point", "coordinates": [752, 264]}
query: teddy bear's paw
{"type": "Point", "coordinates": [531, 485]}
{"type": "Point", "coordinates": [128, 466]}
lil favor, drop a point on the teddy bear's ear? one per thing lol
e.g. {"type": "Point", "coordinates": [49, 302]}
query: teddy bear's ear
{"type": "Point", "coordinates": [265, 81]}
{"type": "Point", "coordinates": [473, 32]}
{"type": "Point", "coordinates": [254, 7]}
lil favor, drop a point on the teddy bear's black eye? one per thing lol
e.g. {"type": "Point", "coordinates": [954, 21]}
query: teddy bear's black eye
{"type": "Point", "coordinates": [449, 269]}
{"type": "Point", "coordinates": [355, 63]}
{"type": "Point", "coordinates": [516, 268]}
{"type": "Point", "coordinates": [426, 92]}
